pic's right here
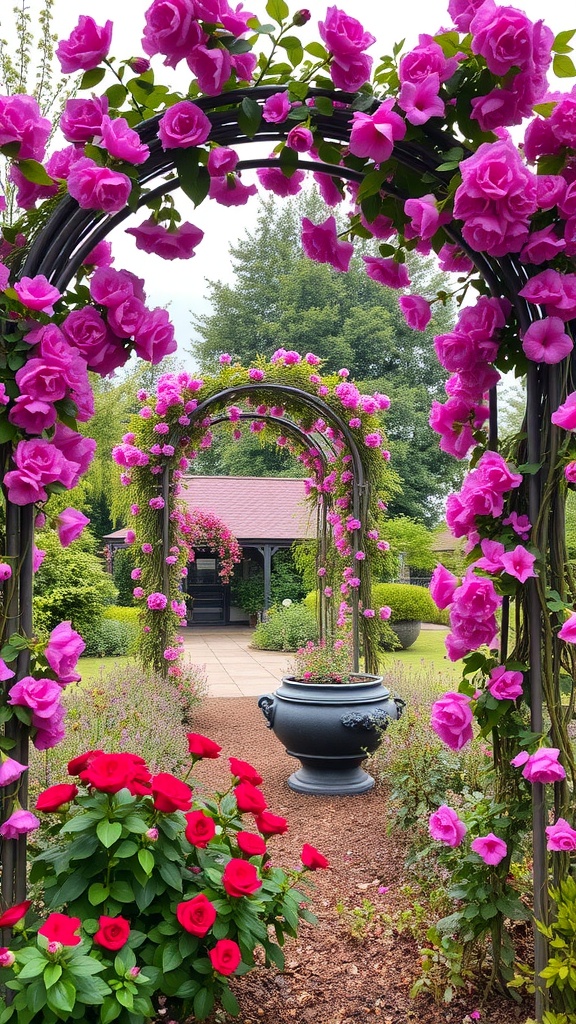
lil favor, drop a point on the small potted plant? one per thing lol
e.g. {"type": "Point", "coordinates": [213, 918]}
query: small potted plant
{"type": "Point", "coordinates": [248, 594]}
{"type": "Point", "coordinates": [330, 718]}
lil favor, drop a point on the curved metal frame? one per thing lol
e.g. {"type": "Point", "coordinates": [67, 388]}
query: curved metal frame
{"type": "Point", "coordinates": [71, 233]}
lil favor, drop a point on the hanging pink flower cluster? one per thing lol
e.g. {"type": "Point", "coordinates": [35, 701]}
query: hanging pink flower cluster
{"type": "Point", "coordinates": [205, 530]}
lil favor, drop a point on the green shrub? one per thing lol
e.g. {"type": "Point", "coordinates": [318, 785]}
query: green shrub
{"type": "Point", "coordinates": [122, 614]}
{"type": "Point", "coordinates": [287, 629]}
{"type": "Point", "coordinates": [407, 602]}
{"type": "Point", "coordinates": [71, 584]}
{"type": "Point", "coordinates": [123, 565]}
{"type": "Point", "coordinates": [109, 638]}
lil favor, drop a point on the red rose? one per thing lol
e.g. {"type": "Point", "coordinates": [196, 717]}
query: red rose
{"type": "Point", "coordinates": [197, 915]}
{"type": "Point", "coordinates": [61, 928]}
{"type": "Point", "coordinates": [170, 794]}
{"type": "Point", "coordinates": [201, 746]}
{"type": "Point", "coordinates": [80, 763]}
{"type": "Point", "coordinates": [110, 773]}
{"type": "Point", "coordinates": [55, 796]}
{"type": "Point", "coordinates": [200, 829]}
{"type": "Point", "coordinates": [312, 858]}
{"type": "Point", "coordinates": [249, 798]}
{"type": "Point", "coordinates": [240, 878]}
{"type": "Point", "coordinates": [112, 932]}
{"type": "Point", "coordinates": [225, 956]}
{"type": "Point", "coordinates": [245, 771]}
{"type": "Point", "coordinates": [271, 824]}
{"type": "Point", "coordinates": [251, 844]}
{"type": "Point", "coordinates": [14, 914]}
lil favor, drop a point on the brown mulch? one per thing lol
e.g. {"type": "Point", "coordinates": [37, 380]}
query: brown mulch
{"type": "Point", "coordinates": [330, 976]}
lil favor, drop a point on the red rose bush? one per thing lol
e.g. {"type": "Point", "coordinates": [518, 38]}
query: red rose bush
{"type": "Point", "coordinates": [148, 892]}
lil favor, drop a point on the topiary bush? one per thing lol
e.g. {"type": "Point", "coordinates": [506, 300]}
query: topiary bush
{"type": "Point", "coordinates": [287, 629]}
{"type": "Point", "coordinates": [408, 602]}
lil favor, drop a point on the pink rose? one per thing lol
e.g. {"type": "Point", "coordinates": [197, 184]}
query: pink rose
{"type": "Point", "coordinates": [344, 36]}
{"type": "Point", "coordinates": [98, 188]}
{"type": "Point", "coordinates": [565, 415]}
{"type": "Point", "coordinates": [446, 827]}
{"type": "Point", "coordinates": [300, 139]}
{"type": "Point", "coordinates": [62, 652]}
{"type": "Point", "coordinates": [320, 243]}
{"type": "Point", "coordinates": [442, 586]}
{"type": "Point", "coordinates": [568, 630]}
{"type": "Point", "coordinates": [122, 142]}
{"type": "Point", "coordinates": [274, 180]}
{"type": "Point", "coordinates": [490, 848]}
{"type": "Point", "coordinates": [505, 684]}
{"type": "Point", "coordinates": [20, 121]}
{"type": "Point", "coordinates": [561, 836]}
{"type": "Point", "coordinates": [452, 719]}
{"type": "Point", "coordinates": [543, 766]}
{"type": "Point", "coordinates": [518, 563]}
{"type": "Point", "coordinates": [19, 823]}
{"type": "Point", "coordinates": [81, 120]}
{"type": "Point", "coordinates": [157, 601]}
{"type": "Point", "coordinates": [86, 47]}
{"type": "Point", "coordinates": [70, 524]}
{"type": "Point", "coordinates": [416, 311]}
{"type": "Point", "coordinates": [42, 696]}
{"type": "Point", "coordinates": [546, 341]}
{"type": "Point", "coordinates": [173, 29]}
{"type": "Point", "coordinates": [183, 125]}
{"type": "Point", "coordinates": [420, 100]}
{"type": "Point", "coordinates": [387, 272]}
{"type": "Point", "coordinates": [229, 190]}
{"type": "Point", "coordinates": [154, 336]}
{"type": "Point", "coordinates": [37, 293]}
{"type": "Point", "coordinates": [374, 135]}
{"type": "Point", "coordinates": [276, 108]}
{"type": "Point", "coordinates": [222, 160]}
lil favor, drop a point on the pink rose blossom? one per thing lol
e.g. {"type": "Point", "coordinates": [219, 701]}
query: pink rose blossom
{"type": "Point", "coordinates": [98, 188]}
{"type": "Point", "coordinates": [274, 180]}
{"type": "Point", "coordinates": [387, 272]}
{"type": "Point", "coordinates": [374, 135]}
{"type": "Point", "coordinates": [70, 524]}
{"type": "Point", "coordinates": [62, 652]}
{"type": "Point", "coordinates": [320, 243]}
{"type": "Point", "coordinates": [416, 311]}
{"type": "Point", "coordinates": [442, 586]}
{"type": "Point", "coordinates": [5, 571]}
{"type": "Point", "coordinates": [420, 100]}
{"type": "Point", "coordinates": [568, 630]}
{"type": "Point", "coordinates": [10, 770]}
{"type": "Point", "coordinates": [19, 823]}
{"type": "Point", "coordinates": [183, 125]}
{"type": "Point", "coordinates": [561, 836]}
{"type": "Point", "coordinates": [385, 612]}
{"type": "Point", "coordinates": [446, 827]}
{"type": "Point", "coordinates": [519, 563]}
{"type": "Point", "coordinates": [228, 190]}
{"type": "Point", "coordinates": [490, 848]}
{"type": "Point", "coordinates": [543, 766]}
{"type": "Point", "coordinates": [37, 293]}
{"type": "Point", "coordinates": [86, 47]}
{"type": "Point", "coordinates": [505, 684]}
{"type": "Point", "coordinates": [565, 415]}
{"type": "Point", "coordinates": [546, 341]}
{"type": "Point", "coordinates": [169, 245]}
{"type": "Point", "coordinates": [156, 601]}
{"type": "Point", "coordinates": [276, 108]}
{"type": "Point", "coordinates": [452, 719]}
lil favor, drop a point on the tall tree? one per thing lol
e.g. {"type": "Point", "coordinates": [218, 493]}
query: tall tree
{"type": "Point", "coordinates": [279, 298]}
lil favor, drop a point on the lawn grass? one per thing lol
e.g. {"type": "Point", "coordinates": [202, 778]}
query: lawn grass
{"type": "Point", "coordinates": [91, 669]}
{"type": "Point", "coordinates": [427, 655]}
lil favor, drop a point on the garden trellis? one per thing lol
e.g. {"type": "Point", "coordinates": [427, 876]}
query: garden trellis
{"type": "Point", "coordinates": [424, 153]}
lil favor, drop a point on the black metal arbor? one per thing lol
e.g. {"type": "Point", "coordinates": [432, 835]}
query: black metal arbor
{"type": "Point", "coordinates": [71, 233]}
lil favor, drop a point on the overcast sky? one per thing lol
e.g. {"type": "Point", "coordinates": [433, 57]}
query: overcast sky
{"type": "Point", "coordinates": [181, 284]}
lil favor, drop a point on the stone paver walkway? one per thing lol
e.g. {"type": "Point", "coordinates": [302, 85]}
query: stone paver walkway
{"type": "Point", "coordinates": [234, 670]}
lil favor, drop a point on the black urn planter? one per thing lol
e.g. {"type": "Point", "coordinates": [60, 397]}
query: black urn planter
{"type": "Point", "coordinates": [331, 729]}
{"type": "Point", "coordinates": [407, 631]}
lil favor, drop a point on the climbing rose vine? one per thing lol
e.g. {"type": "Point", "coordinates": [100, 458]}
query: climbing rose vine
{"type": "Point", "coordinates": [412, 150]}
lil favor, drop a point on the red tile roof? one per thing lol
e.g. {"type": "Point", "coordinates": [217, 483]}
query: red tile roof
{"type": "Point", "coordinates": [255, 508]}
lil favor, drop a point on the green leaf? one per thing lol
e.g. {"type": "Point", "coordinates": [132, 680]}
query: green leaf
{"type": "Point", "coordinates": [146, 859]}
{"type": "Point", "coordinates": [122, 891]}
{"type": "Point", "coordinates": [7, 433]}
{"type": "Point", "coordinates": [116, 94]}
{"type": "Point", "coordinates": [371, 185]}
{"type": "Point", "coordinates": [289, 164]}
{"type": "Point", "coordinates": [194, 179]}
{"type": "Point", "coordinates": [52, 973]}
{"type": "Point", "coordinates": [171, 875]}
{"type": "Point", "coordinates": [204, 999]}
{"type": "Point", "coordinates": [97, 893]}
{"type": "Point", "coordinates": [92, 77]}
{"type": "Point", "coordinates": [563, 66]}
{"type": "Point", "coordinates": [229, 1002]}
{"type": "Point", "coordinates": [277, 10]}
{"type": "Point", "coordinates": [298, 91]}
{"type": "Point", "coordinates": [249, 117]}
{"type": "Point", "coordinates": [35, 172]}
{"type": "Point", "coordinates": [33, 968]}
{"type": "Point", "coordinates": [560, 44]}
{"type": "Point", "coordinates": [73, 887]}
{"type": "Point", "coordinates": [111, 1009]}
{"type": "Point", "coordinates": [545, 109]}
{"type": "Point", "coordinates": [293, 48]}
{"type": "Point", "coordinates": [126, 849]}
{"type": "Point", "coordinates": [171, 957]}
{"type": "Point", "coordinates": [134, 823]}
{"type": "Point", "coordinates": [317, 50]}
{"type": "Point", "coordinates": [324, 105]}
{"type": "Point", "coordinates": [108, 832]}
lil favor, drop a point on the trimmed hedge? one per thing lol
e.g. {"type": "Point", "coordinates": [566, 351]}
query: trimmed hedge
{"type": "Point", "coordinates": [408, 602]}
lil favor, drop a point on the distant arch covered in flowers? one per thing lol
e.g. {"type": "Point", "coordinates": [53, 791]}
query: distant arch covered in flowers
{"type": "Point", "coordinates": [421, 143]}
{"type": "Point", "coordinates": [286, 400]}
